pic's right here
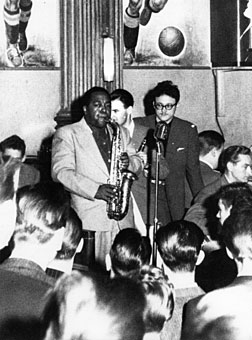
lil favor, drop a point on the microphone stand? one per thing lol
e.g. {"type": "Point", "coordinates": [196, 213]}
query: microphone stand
{"type": "Point", "coordinates": [156, 222]}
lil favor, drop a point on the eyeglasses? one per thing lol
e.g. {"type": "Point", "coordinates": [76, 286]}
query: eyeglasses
{"type": "Point", "coordinates": [161, 107]}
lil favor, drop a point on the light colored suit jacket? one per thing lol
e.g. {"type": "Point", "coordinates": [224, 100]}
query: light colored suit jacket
{"type": "Point", "coordinates": [78, 164]}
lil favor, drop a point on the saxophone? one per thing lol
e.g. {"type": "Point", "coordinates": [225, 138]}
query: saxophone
{"type": "Point", "coordinates": [117, 208]}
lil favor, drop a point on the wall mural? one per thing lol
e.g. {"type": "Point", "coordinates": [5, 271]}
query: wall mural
{"type": "Point", "coordinates": [172, 33]}
{"type": "Point", "coordinates": [29, 33]}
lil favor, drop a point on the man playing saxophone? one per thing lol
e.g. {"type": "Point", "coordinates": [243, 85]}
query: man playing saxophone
{"type": "Point", "coordinates": [81, 161]}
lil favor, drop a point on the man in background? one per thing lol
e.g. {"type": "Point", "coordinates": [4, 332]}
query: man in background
{"type": "Point", "coordinates": [211, 145]}
{"type": "Point", "coordinates": [235, 165]}
{"type": "Point", "coordinates": [15, 147]}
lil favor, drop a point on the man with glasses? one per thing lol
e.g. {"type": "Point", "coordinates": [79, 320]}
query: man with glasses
{"type": "Point", "coordinates": [180, 150]}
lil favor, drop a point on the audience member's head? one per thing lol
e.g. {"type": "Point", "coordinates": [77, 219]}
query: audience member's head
{"type": "Point", "coordinates": [159, 294]}
{"type": "Point", "coordinates": [231, 195]}
{"type": "Point", "coordinates": [129, 252]}
{"type": "Point", "coordinates": [211, 145]}
{"type": "Point", "coordinates": [72, 244]}
{"type": "Point", "coordinates": [8, 187]}
{"type": "Point", "coordinates": [235, 161]}
{"type": "Point", "coordinates": [179, 245]}
{"type": "Point", "coordinates": [41, 216]}
{"type": "Point", "coordinates": [237, 234]}
{"type": "Point", "coordinates": [72, 236]}
{"type": "Point", "coordinates": [14, 147]}
{"type": "Point", "coordinates": [87, 308]}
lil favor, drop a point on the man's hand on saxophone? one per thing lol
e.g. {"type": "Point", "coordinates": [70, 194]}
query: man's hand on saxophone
{"type": "Point", "coordinates": [106, 192]}
{"type": "Point", "coordinates": [124, 161]}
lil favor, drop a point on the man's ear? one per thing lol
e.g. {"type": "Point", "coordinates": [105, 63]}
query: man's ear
{"type": "Point", "coordinates": [229, 254]}
{"type": "Point", "coordinates": [108, 262]}
{"type": "Point", "coordinates": [130, 110]}
{"type": "Point", "coordinates": [80, 246]}
{"type": "Point", "coordinates": [200, 258]}
{"type": "Point", "coordinates": [229, 166]}
{"type": "Point", "coordinates": [84, 108]}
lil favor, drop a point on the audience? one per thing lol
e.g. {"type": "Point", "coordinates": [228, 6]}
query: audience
{"type": "Point", "coordinates": [235, 165]}
{"type": "Point", "coordinates": [38, 235]}
{"type": "Point", "coordinates": [72, 244]}
{"type": "Point", "coordinates": [235, 299]}
{"type": "Point", "coordinates": [91, 308]}
{"type": "Point", "coordinates": [129, 252]}
{"type": "Point", "coordinates": [159, 300]}
{"type": "Point", "coordinates": [15, 147]}
{"type": "Point", "coordinates": [218, 270]}
{"type": "Point", "coordinates": [179, 245]}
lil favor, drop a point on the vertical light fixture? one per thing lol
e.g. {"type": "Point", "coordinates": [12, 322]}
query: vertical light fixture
{"type": "Point", "coordinates": [108, 44]}
{"type": "Point", "coordinates": [108, 59]}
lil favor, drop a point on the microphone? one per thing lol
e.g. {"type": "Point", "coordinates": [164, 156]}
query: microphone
{"type": "Point", "coordinates": [161, 131]}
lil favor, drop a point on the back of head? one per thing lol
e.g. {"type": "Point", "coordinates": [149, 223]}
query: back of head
{"type": "Point", "coordinates": [124, 96]}
{"type": "Point", "coordinates": [166, 87]}
{"type": "Point", "coordinates": [13, 142]}
{"type": "Point", "coordinates": [179, 244]}
{"type": "Point", "coordinates": [8, 187]}
{"type": "Point", "coordinates": [129, 252]}
{"type": "Point", "coordinates": [210, 139]}
{"type": "Point", "coordinates": [41, 210]}
{"type": "Point", "coordinates": [237, 233]}
{"type": "Point", "coordinates": [159, 294]}
{"type": "Point", "coordinates": [231, 154]}
{"type": "Point", "coordinates": [90, 308]}
{"type": "Point", "coordinates": [72, 236]}
{"type": "Point", "coordinates": [235, 193]}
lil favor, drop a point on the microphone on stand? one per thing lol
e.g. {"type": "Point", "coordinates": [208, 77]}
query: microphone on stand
{"type": "Point", "coordinates": [161, 131]}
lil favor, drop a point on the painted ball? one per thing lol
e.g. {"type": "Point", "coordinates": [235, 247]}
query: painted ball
{"type": "Point", "coordinates": [171, 41]}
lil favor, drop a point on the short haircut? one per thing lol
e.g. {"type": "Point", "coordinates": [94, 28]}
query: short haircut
{"type": "Point", "coordinates": [238, 224]}
{"type": "Point", "coordinates": [166, 87]}
{"type": "Point", "coordinates": [7, 172]}
{"type": "Point", "coordinates": [72, 236]}
{"type": "Point", "coordinates": [231, 154]}
{"type": "Point", "coordinates": [159, 294]}
{"type": "Point", "coordinates": [13, 142]}
{"type": "Point", "coordinates": [41, 210]}
{"type": "Point", "coordinates": [86, 307]}
{"type": "Point", "coordinates": [209, 139]}
{"type": "Point", "coordinates": [129, 252]}
{"type": "Point", "coordinates": [179, 244]}
{"type": "Point", "coordinates": [233, 193]}
{"type": "Point", "coordinates": [85, 99]}
{"type": "Point", "coordinates": [124, 96]}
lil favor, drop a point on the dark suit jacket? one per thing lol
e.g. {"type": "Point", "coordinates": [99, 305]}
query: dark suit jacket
{"type": "Point", "coordinates": [203, 211]}
{"type": "Point", "coordinates": [28, 175]}
{"type": "Point", "coordinates": [23, 288]}
{"type": "Point", "coordinates": [208, 176]}
{"type": "Point", "coordinates": [182, 156]}
{"type": "Point", "coordinates": [194, 317]}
